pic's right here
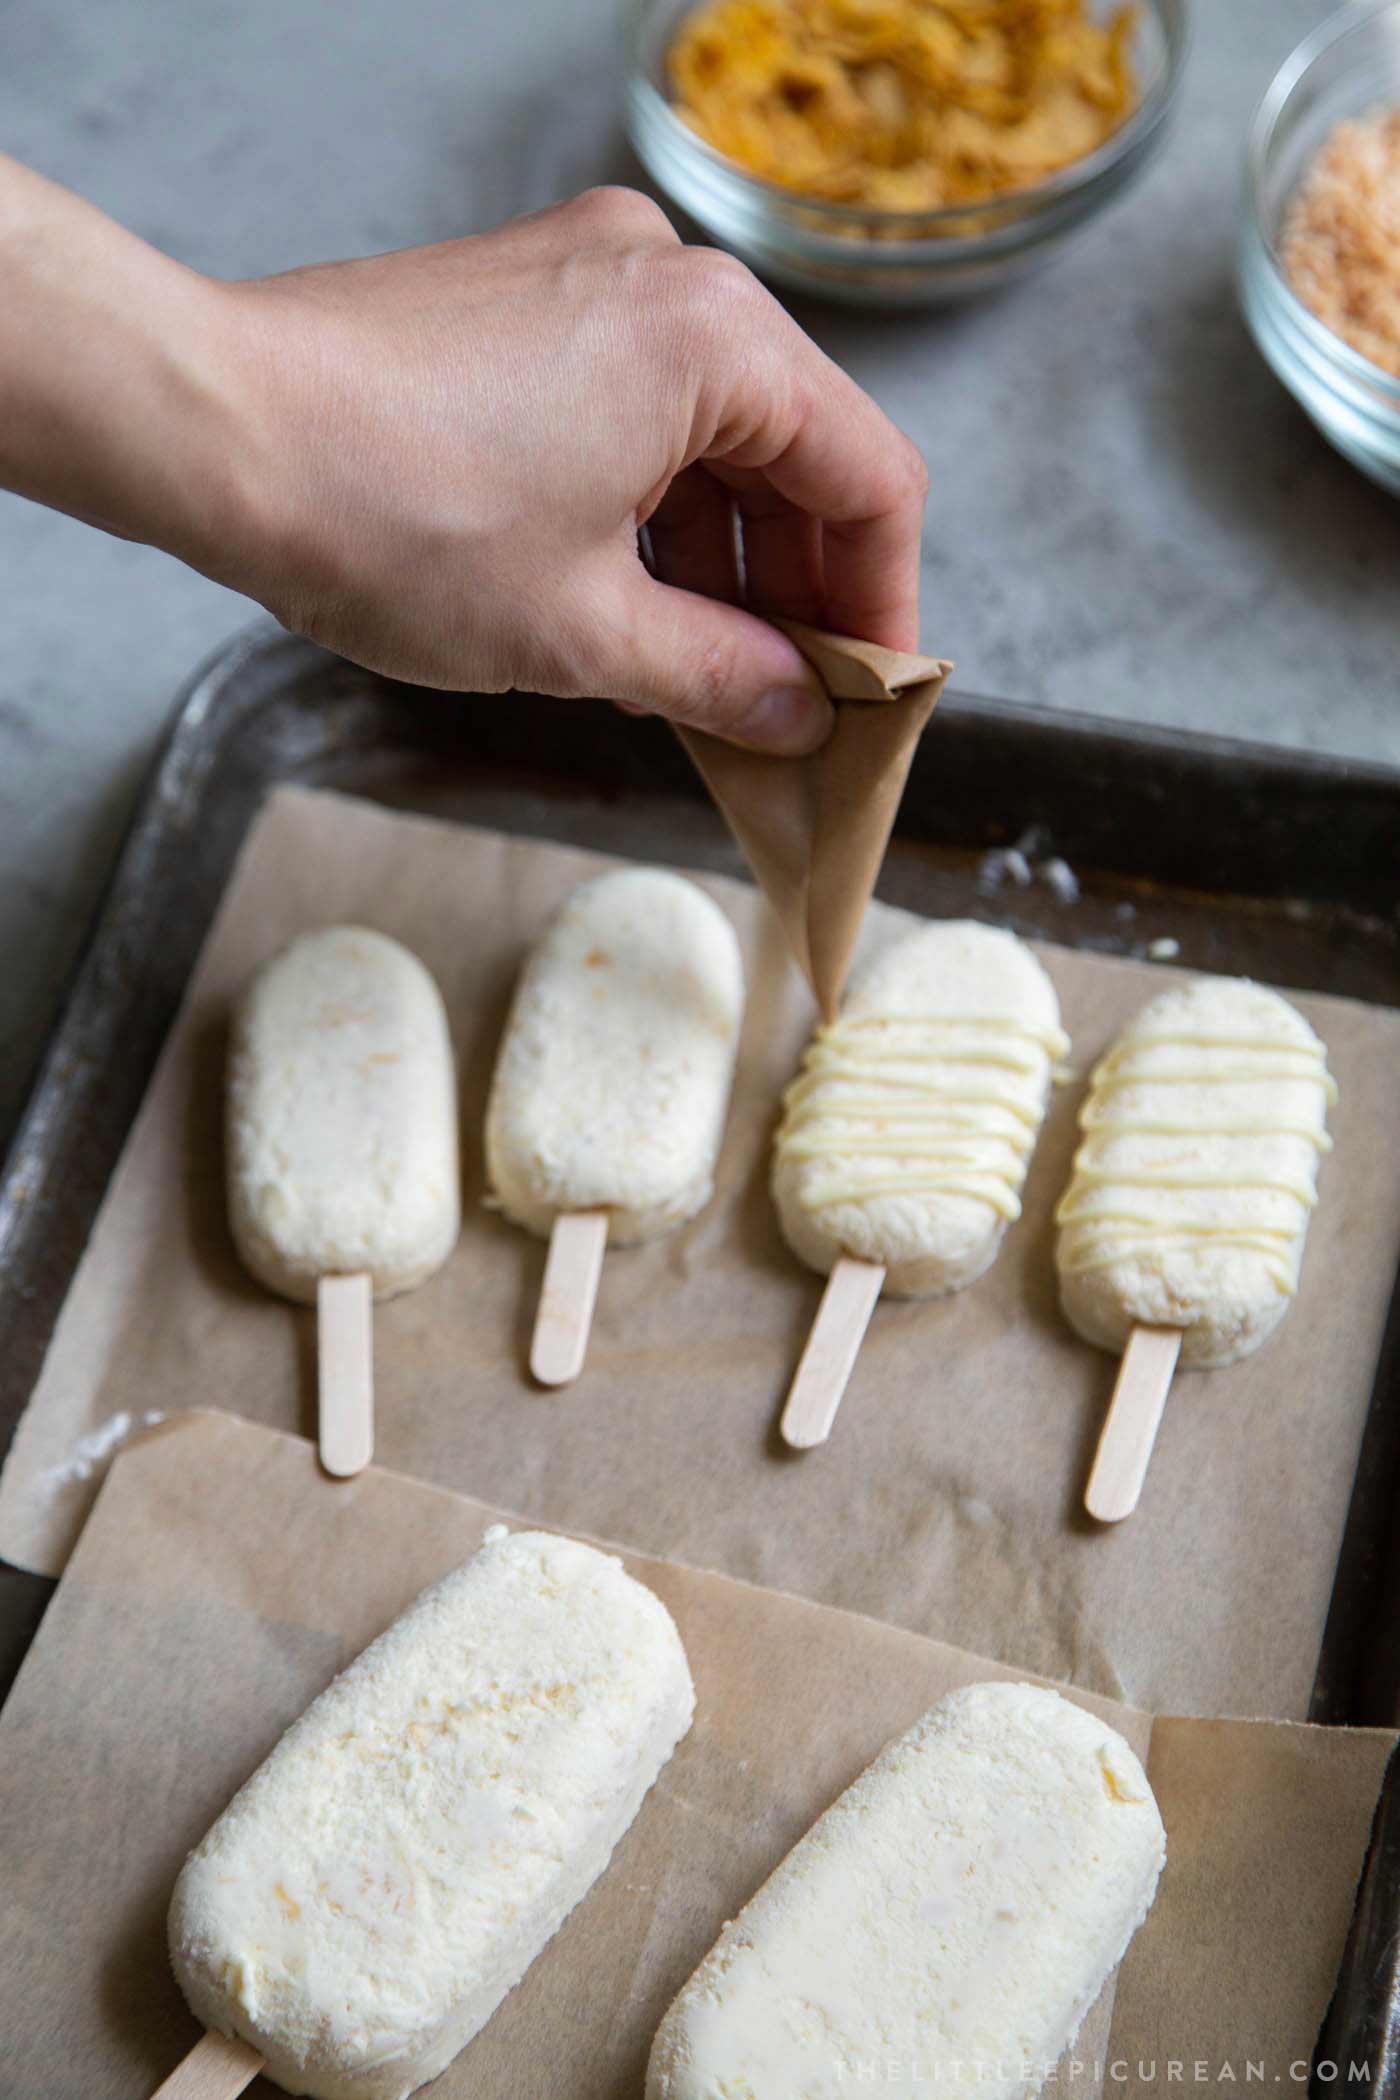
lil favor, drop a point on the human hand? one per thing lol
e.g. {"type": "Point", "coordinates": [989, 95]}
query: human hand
{"type": "Point", "coordinates": [455, 447]}
{"type": "Point", "coordinates": [438, 462]}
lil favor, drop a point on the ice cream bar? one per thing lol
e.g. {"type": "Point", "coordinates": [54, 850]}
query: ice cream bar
{"type": "Point", "coordinates": [613, 1077]}
{"type": "Point", "coordinates": [906, 1136]}
{"type": "Point", "coordinates": [342, 1117]}
{"type": "Point", "coordinates": [1189, 1203]}
{"type": "Point", "coordinates": [391, 1870]}
{"type": "Point", "coordinates": [948, 1922]}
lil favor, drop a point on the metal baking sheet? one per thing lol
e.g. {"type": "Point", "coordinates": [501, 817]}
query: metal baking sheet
{"type": "Point", "coordinates": [1259, 862]}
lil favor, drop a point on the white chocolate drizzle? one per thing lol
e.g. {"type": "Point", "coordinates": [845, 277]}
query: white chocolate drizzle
{"type": "Point", "coordinates": [919, 1106]}
{"type": "Point", "coordinates": [1228, 1069]}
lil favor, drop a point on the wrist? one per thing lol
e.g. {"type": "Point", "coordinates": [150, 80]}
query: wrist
{"type": "Point", "coordinates": [119, 382]}
{"type": "Point", "coordinates": [201, 484]}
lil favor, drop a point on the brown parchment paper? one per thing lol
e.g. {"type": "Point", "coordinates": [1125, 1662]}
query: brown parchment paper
{"type": "Point", "coordinates": [223, 1580]}
{"type": "Point", "coordinates": [814, 830]}
{"type": "Point", "coordinates": [948, 1498]}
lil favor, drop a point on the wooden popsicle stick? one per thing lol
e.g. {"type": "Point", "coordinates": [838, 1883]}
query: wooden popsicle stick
{"type": "Point", "coordinates": [1130, 1427]}
{"type": "Point", "coordinates": [345, 1373]}
{"type": "Point", "coordinates": [567, 1296]}
{"type": "Point", "coordinates": [849, 1299]}
{"type": "Point", "coordinates": [216, 2068]}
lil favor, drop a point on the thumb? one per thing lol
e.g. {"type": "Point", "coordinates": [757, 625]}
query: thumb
{"type": "Point", "coordinates": [711, 666]}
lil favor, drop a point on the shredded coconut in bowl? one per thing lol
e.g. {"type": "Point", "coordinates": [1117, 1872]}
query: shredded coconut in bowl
{"type": "Point", "coordinates": [1341, 239]}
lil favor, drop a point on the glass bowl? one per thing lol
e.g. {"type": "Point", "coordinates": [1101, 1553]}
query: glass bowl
{"type": "Point", "coordinates": [1350, 65]}
{"type": "Point", "coordinates": [863, 257]}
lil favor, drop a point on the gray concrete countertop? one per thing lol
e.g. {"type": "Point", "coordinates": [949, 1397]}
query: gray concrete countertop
{"type": "Point", "coordinates": [1129, 515]}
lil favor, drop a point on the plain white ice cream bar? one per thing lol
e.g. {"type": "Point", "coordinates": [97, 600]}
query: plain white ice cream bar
{"type": "Point", "coordinates": [908, 1131]}
{"type": "Point", "coordinates": [342, 1117]}
{"type": "Point", "coordinates": [613, 1077]}
{"type": "Point", "coordinates": [947, 1922]}
{"type": "Point", "coordinates": [1189, 1204]}
{"type": "Point", "coordinates": [382, 1881]}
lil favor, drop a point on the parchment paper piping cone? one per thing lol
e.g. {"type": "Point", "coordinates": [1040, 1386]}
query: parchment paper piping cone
{"type": "Point", "coordinates": [814, 830]}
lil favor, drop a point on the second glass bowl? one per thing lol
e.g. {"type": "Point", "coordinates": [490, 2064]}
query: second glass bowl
{"type": "Point", "coordinates": [1346, 68]}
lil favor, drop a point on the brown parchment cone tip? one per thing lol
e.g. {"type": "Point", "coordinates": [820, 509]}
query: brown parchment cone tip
{"type": "Point", "coordinates": [856, 670]}
{"type": "Point", "coordinates": [814, 830]}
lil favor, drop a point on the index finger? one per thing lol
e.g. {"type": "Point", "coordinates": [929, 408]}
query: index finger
{"type": "Point", "coordinates": [821, 443]}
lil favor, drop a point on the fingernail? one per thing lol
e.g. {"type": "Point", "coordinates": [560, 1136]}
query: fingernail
{"type": "Point", "coordinates": [788, 720]}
